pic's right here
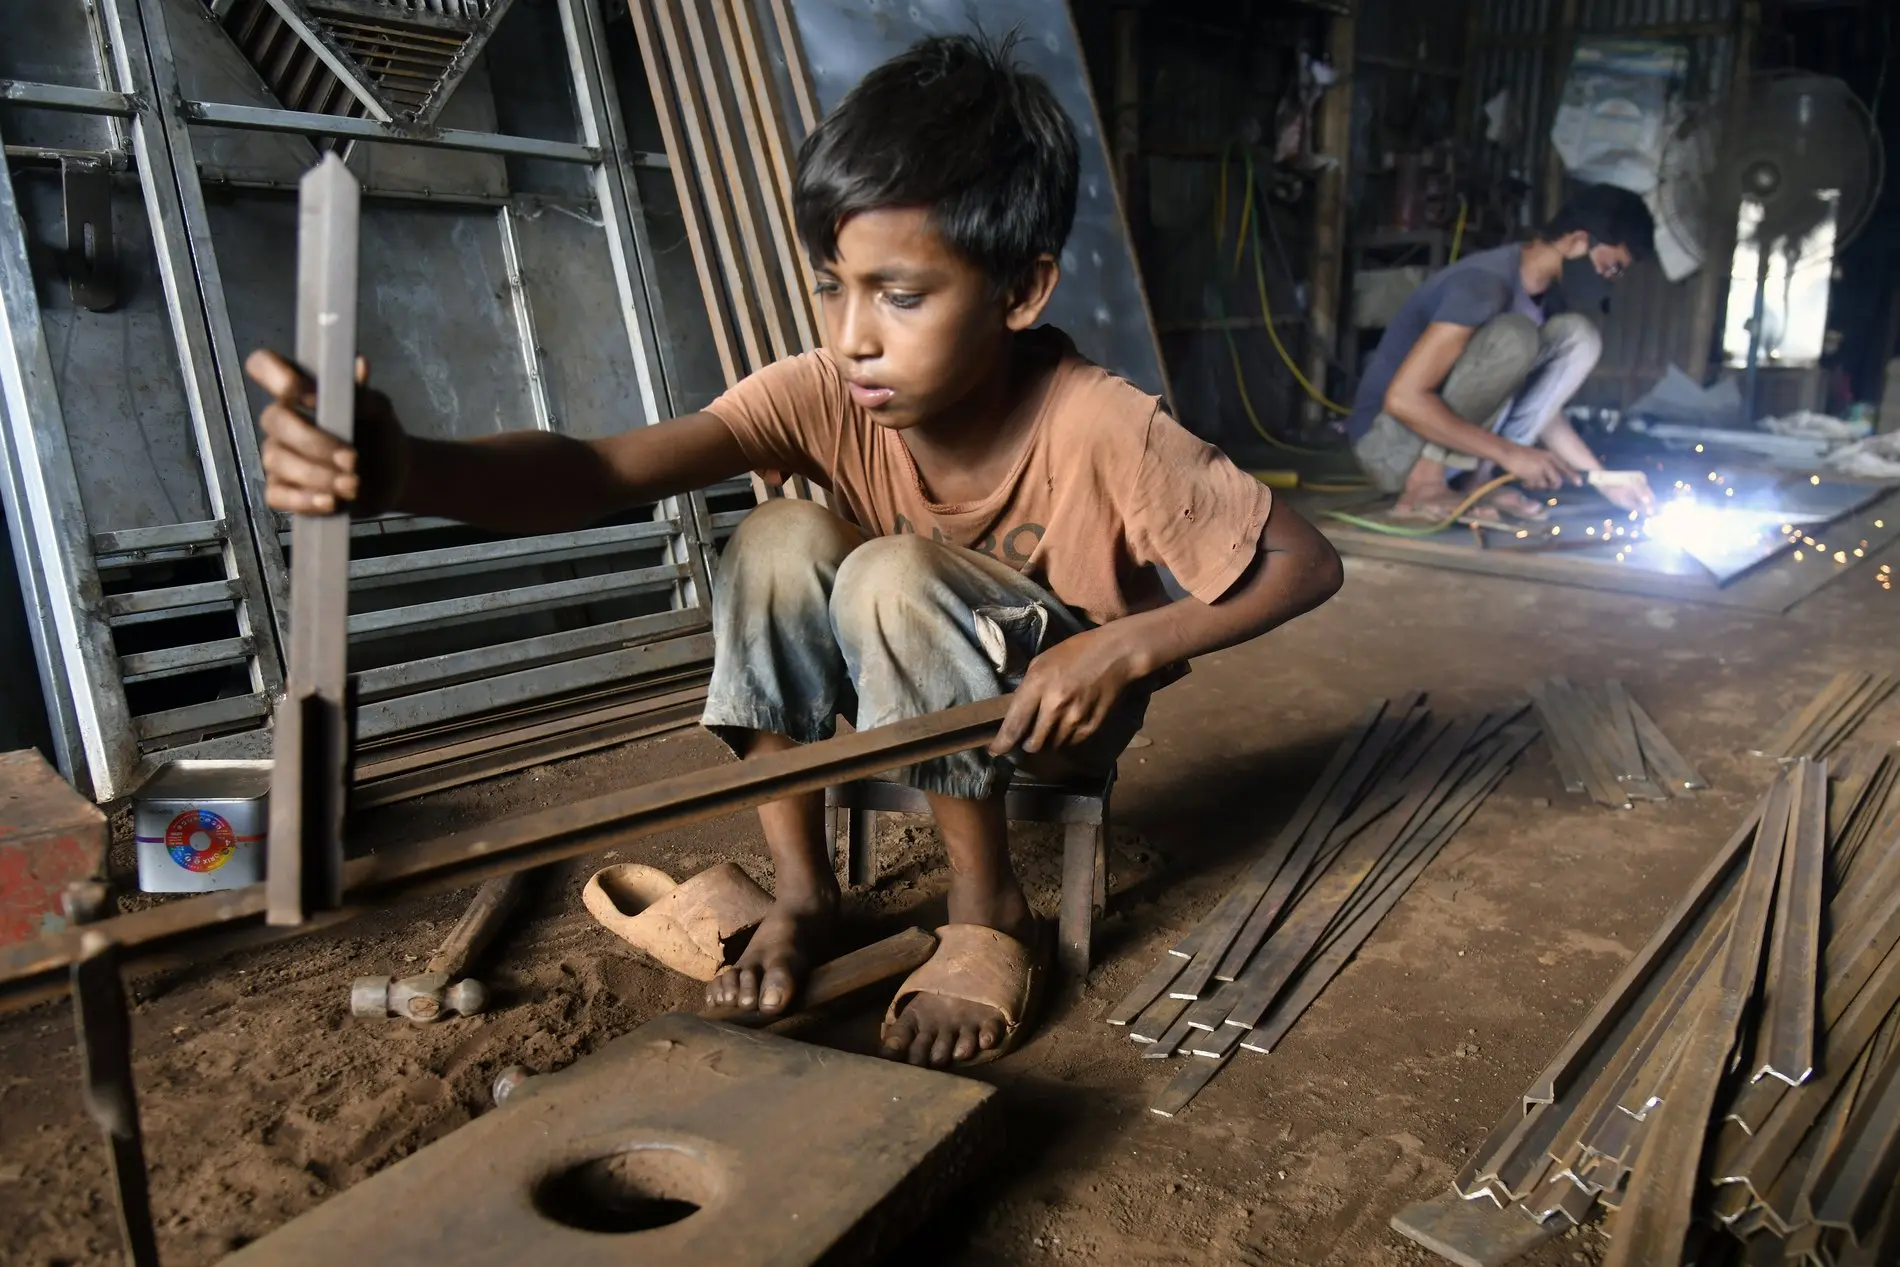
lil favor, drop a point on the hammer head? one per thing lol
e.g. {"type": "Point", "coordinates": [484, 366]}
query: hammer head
{"type": "Point", "coordinates": [424, 999]}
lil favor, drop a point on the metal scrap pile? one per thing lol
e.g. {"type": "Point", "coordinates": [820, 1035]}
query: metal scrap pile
{"type": "Point", "coordinates": [1735, 1096]}
{"type": "Point", "coordinates": [1395, 792]}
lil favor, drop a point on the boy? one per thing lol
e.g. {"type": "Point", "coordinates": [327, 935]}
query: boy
{"type": "Point", "coordinates": [1471, 376]}
{"type": "Point", "coordinates": [1001, 509]}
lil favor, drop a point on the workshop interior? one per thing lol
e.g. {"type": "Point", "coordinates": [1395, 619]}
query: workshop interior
{"type": "Point", "coordinates": [1467, 829]}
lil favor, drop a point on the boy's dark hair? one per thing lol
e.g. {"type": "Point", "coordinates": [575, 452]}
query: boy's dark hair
{"type": "Point", "coordinates": [952, 124]}
{"type": "Point", "coordinates": [1608, 213]}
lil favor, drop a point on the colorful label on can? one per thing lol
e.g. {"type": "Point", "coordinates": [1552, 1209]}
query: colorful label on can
{"type": "Point", "coordinates": [201, 840]}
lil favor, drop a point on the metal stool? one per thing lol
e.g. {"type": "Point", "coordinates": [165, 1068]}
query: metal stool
{"type": "Point", "coordinates": [1081, 809]}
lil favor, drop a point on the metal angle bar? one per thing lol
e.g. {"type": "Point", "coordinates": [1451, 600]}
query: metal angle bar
{"type": "Point", "coordinates": [15, 92]}
{"type": "Point", "coordinates": [683, 634]}
{"type": "Point", "coordinates": [494, 556]}
{"type": "Point", "coordinates": [1786, 1045]}
{"type": "Point", "coordinates": [1628, 986]}
{"type": "Point", "coordinates": [100, 1015]}
{"type": "Point", "coordinates": [1253, 885]}
{"type": "Point", "coordinates": [1835, 720]}
{"type": "Point", "coordinates": [141, 666]}
{"type": "Point", "coordinates": [340, 63]}
{"type": "Point", "coordinates": [1670, 765]}
{"type": "Point", "coordinates": [1797, 1194]}
{"type": "Point", "coordinates": [1856, 713]}
{"type": "Point", "coordinates": [219, 114]}
{"type": "Point", "coordinates": [526, 335]}
{"type": "Point", "coordinates": [1656, 1215]}
{"type": "Point", "coordinates": [177, 597]}
{"type": "Point", "coordinates": [1861, 1175]}
{"type": "Point", "coordinates": [1768, 1150]}
{"type": "Point", "coordinates": [1563, 750]}
{"type": "Point", "coordinates": [215, 923]}
{"type": "Point", "coordinates": [1855, 951]}
{"type": "Point", "coordinates": [79, 672]}
{"type": "Point", "coordinates": [472, 699]}
{"type": "Point", "coordinates": [138, 541]}
{"type": "Point", "coordinates": [475, 607]}
{"type": "Point", "coordinates": [217, 714]}
{"type": "Point", "coordinates": [311, 741]}
{"type": "Point", "coordinates": [1781, 736]}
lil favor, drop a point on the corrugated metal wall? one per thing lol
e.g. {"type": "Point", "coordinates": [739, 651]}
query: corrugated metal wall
{"type": "Point", "coordinates": [1520, 45]}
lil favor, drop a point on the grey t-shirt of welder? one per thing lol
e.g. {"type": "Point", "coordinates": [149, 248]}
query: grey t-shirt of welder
{"type": "Point", "coordinates": [1468, 293]}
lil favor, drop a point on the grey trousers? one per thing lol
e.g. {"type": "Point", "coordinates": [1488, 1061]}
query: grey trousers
{"type": "Point", "coordinates": [1512, 378]}
{"type": "Point", "coordinates": [813, 620]}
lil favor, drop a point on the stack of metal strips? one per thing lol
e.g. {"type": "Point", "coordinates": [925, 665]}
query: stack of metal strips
{"type": "Point", "coordinates": [1395, 792]}
{"type": "Point", "coordinates": [1818, 728]}
{"type": "Point", "coordinates": [1735, 1096]}
{"type": "Point", "coordinates": [1606, 745]}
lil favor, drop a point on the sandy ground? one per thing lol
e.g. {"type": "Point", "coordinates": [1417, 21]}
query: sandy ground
{"type": "Point", "coordinates": [261, 1097]}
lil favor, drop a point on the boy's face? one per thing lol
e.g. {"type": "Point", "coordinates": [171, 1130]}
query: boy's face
{"type": "Point", "coordinates": [914, 325]}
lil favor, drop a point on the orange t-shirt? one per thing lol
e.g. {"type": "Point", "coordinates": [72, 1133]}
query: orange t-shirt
{"type": "Point", "coordinates": [1108, 488]}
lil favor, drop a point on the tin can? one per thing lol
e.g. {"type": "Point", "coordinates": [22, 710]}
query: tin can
{"type": "Point", "coordinates": [200, 825]}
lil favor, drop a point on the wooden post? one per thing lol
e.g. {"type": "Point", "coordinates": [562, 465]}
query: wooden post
{"type": "Point", "coordinates": [1562, 48]}
{"type": "Point", "coordinates": [1712, 285]}
{"type": "Point", "coordinates": [1334, 141]}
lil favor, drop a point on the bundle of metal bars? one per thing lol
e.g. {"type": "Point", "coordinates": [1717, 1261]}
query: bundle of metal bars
{"type": "Point", "coordinates": [1735, 1096]}
{"type": "Point", "coordinates": [1816, 729]}
{"type": "Point", "coordinates": [709, 68]}
{"type": "Point", "coordinates": [1395, 792]}
{"type": "Point", "coordinates": [1606, 745]}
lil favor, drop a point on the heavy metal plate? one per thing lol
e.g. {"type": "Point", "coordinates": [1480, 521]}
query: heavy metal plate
{"type": "Point", "coordinates": [743, 1148]}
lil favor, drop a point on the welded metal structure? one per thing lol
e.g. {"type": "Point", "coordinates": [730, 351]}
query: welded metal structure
{"type": "Point", "coordinates": [511, 282]}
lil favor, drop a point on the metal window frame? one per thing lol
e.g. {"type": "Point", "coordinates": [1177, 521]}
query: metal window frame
{"type": "Point", "coordinates": [682, 525]}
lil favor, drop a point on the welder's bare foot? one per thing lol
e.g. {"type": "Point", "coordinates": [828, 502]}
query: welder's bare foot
{"type": "Point", "coordinates": [969, 1000]}
{"type": "Point", "coordinates": [788, 943]}
{"type": "Point", "coordinates": [1420, 508]}
{"type": "Point", "coordinates": [1517, 505]}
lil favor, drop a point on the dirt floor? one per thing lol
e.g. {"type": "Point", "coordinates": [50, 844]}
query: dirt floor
{"type": "Point", "coordinates": [261, 1097]}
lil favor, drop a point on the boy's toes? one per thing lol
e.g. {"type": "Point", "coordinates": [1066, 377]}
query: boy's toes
{"type": "Point", "coordinates": [968, 1041]}
{"type": "Point", "coordinates": [899, 1037]}
{"type": "Point", "coordinates": [990, 1034]}
{"type": "Point", "coordinates": [775, 989]}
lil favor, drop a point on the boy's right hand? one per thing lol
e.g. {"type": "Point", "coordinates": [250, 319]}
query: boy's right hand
{"type": "Point", "coordinates": [309, 471]}
{"type": "Point", "coordinates": [1538, 468]}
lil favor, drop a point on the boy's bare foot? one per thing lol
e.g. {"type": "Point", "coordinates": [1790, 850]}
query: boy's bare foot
{"type": "Point", "coordinates": [787, 944]}
{"type": "Point", "coordinates": [937, 1030]}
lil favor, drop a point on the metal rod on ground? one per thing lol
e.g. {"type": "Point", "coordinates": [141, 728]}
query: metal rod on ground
{"type": "Point", "coordinates": [311, 739]}
{"type": "Point", "coordinates": [105, 1054]}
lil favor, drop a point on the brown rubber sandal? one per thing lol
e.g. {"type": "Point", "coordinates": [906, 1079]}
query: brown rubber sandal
{"type": "Point", "coordinates": [686, 926]}
{"type": "Point", "coordinates": [980, 965]}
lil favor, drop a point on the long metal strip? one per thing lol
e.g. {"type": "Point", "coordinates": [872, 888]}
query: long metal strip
{"type": "Point", "coordinates": [1779, 740]}
{"type": "Point", "coordinates": [1591, 735]}
{"type": "Point", "coordinates": [1253, 886]}
{"type": "Point", "coordinates": [217, 922]}
{"type": "Point", "coordinates": [218, 114]}
{"type": "Point", "coordinates": [1656, 1216]}
{"type": "Point", "coordinates": [1676, 773]}
{"type": "Point", "coordinates": [311, 742]}
{"type": "Point", "coordinates": [1786, 1046]}
{"type": "Point", "coordinates": [1396, 722]}
{"type": "Point", "coordinates": [1268, 976]}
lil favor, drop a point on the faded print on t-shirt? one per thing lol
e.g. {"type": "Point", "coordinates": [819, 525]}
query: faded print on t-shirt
{"type": "Point", "coordinates": [1107, 489]}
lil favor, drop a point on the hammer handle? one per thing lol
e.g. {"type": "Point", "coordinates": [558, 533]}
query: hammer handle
{"type": "Point", "coordinates": [493, 903]}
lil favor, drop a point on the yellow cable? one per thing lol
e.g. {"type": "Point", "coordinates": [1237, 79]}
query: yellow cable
{"type": "Point", "coordinates": [1422, 530]}
{"type": "Point", "coordinates": [1260, 282]}
{"type": "Point", "coordinates": [1458, 233]}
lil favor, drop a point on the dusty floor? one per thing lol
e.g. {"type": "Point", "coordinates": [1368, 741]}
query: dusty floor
{"type": "Point", "coordinates": [261, 1096]}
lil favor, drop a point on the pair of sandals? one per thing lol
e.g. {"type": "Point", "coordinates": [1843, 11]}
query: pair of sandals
{"type": "Point", "coordinates": [691, 926]}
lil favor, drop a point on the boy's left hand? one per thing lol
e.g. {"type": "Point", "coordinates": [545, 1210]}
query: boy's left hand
{"type": "Point", "coordinates": [1067, 693]}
